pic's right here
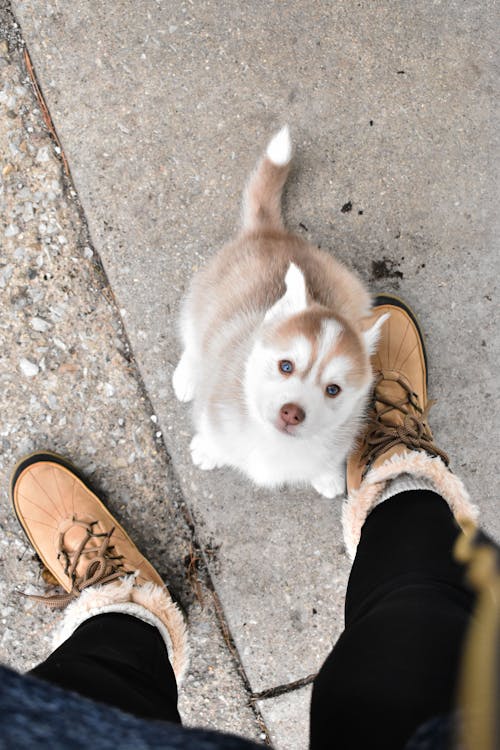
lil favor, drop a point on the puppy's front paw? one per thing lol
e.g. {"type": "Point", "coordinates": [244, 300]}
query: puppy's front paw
{"type": "Point", "coordinates": [330, 485]}
{"type": "Point", "coordinates": [183, 380]}
{"type": "Point", "coordinates": [201, 454]}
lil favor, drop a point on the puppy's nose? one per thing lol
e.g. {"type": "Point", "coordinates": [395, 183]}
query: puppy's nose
{"type": "Point", "coordinates": [292, 414]}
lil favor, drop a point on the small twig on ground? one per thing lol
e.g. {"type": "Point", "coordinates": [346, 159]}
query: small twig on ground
{"type": "Point", "coordinates": [44, 109]}
{"type": "Point", "coordinates": [223, 626]}
{"type": "Point", "coordinates": [281, 689]}
{"type": "Point", "coordinates": [191, 563]}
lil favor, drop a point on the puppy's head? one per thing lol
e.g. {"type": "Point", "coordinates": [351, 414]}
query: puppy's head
{"type": "Point", "coordinates": [308, 369]}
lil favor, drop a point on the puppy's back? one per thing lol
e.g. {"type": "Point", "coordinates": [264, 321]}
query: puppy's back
{"type": "Point", "coordinates": [244, 279]}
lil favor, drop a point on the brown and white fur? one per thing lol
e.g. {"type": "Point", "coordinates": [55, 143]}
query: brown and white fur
{"type": "Point", "coordinates": [265, 298]}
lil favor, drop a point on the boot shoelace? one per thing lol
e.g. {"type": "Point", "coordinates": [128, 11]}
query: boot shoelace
{"type": "Point", "coordinates": [383, 434]}
{"type": "Point", "coordinates": [103, 567]}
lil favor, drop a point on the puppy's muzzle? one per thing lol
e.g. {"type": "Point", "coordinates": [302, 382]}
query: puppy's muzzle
{"type": "Point", "coordinates": [292, 414]}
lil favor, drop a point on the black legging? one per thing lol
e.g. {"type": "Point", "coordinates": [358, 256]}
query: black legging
{"type": "Point", "coordinates": [407, 608]}
{"type": "Point", "coordinates": [119, 660]}
{"type": "Point", "coordinates": [393, 668]}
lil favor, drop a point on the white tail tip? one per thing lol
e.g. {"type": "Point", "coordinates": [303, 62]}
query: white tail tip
{"type": "Point", "coordinates": [279, 150]}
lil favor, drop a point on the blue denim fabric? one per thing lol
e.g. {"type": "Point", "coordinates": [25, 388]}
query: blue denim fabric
{"type": "Point", "coordinates": [36, 714]}
{"type": "Point", "coordinates": [436, 734]}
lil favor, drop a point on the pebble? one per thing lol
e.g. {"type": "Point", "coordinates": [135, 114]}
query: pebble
{"type": "Point", "coordinates": [39, 324]}
{"type": "Point", "coordinates": [43, 154]}
{"type": "Point", "coordinates": [5, 275]}
{"type": "Point", "coordinates": [28, 368]}
{"type": "Point", "coordinates": [28, 212]}
{"type": "Point", "coordinates": [52, 401]}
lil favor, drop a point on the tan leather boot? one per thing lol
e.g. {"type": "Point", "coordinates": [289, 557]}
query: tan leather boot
{"type": "Point", "coordinates": [86, 551]}
{"type": "Point", "coordinates": [397, 438]}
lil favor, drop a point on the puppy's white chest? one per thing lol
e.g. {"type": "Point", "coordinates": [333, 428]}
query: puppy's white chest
{"type": "Point", "coordinates": [274, 459]}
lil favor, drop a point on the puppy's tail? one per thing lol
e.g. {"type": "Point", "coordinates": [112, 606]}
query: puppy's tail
{"type": "Point", "coordinates": [262, 198]}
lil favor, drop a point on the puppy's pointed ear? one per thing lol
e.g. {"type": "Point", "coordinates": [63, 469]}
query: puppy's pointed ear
{"type": "Point", "coordinates": [295, 298]}
{"type": "Point", "coordinates": [371, 335]}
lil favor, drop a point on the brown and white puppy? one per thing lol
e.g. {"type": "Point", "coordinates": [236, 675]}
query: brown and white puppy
{"type": "Point", "coordinates": [276, 348]}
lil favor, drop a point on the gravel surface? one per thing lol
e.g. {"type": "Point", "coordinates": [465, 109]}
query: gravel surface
{"type": "Point", "coordinates": [69, 383]}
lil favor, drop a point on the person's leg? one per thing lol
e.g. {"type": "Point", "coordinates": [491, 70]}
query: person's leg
{"type": "Point", "coordinates": [118, 660]}
{"type": "Point", "coordinates": [407, 610]}
{"type": "Point", "coordinates": [407, 607]}
{"type": "Point", "coordinates": [122, 640]}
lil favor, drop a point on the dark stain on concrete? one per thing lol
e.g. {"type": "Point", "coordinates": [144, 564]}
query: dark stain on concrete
{"type": "Point", "coordinates": [385, 268]}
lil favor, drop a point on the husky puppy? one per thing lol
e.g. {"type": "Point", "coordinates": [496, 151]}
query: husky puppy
{"type": "Point", "coordinates": [277, 342]}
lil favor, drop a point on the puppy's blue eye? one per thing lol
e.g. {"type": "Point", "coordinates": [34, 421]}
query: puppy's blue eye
{"type": "Point", "coordinates": [285, 366]}
{"type": "Point", "coordinates": [332, 390]}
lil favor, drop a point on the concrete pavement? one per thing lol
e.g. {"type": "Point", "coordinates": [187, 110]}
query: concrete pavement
{"type": "Point", "coordinates": [162, 109]}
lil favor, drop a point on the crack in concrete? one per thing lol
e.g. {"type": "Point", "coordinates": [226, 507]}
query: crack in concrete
{"type": "Point", "coordinates": [288, 687]}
